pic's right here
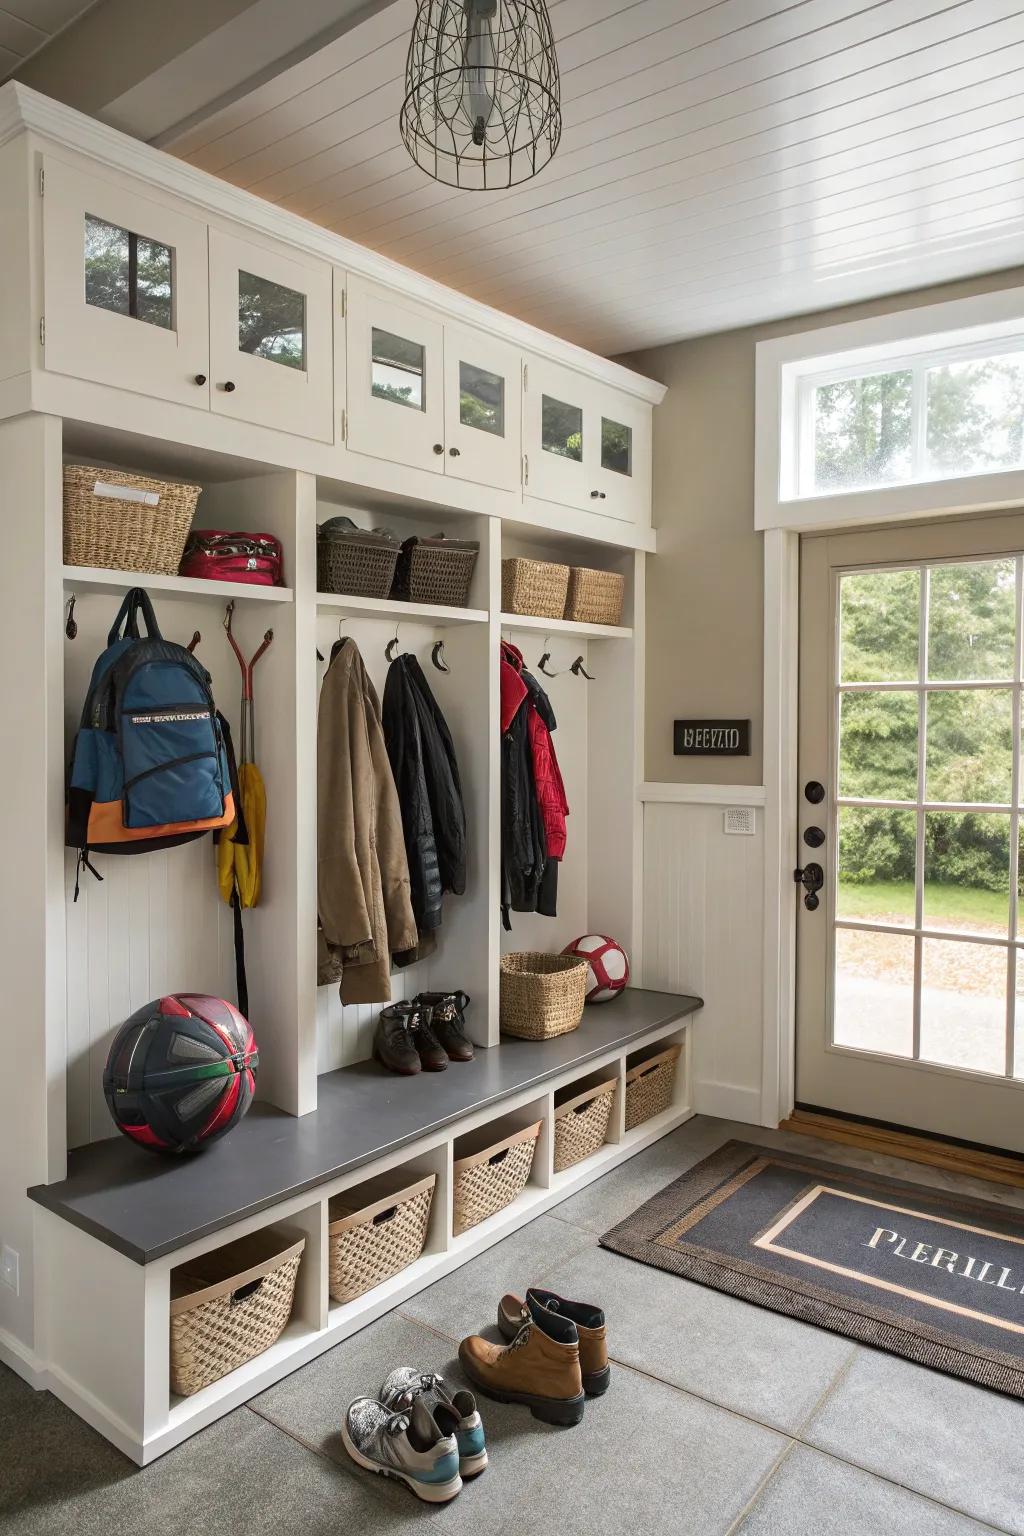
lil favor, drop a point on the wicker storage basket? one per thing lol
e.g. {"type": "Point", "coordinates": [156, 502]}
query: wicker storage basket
{"type": "Point", "coordinates": [581, 1124]}
{"type": "Point", "coordinates": [534, 587]}
{"type": "Point", "coordinates": [125, 522]}
{"type": "Point", "coordinates": [375, 1231]}
{"type": "Point", "coordinates": [436, 570]}
{"type": "Point", "coordinates": [542, 995]}
{"type": "Point", "coordinates": [488, 1180]}
{"type": "Point", "coordinates": [228, 1306]}
{"type": "Point", "coordinates": [355, 562]}
{"type": "Point", "coordinates": [649, 1086]}
{"type": "Point", "coordinates": [595, 597]}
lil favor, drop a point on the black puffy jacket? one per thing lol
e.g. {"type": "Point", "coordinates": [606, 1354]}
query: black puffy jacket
{"type": "Point", "coordinates": [422, 756]}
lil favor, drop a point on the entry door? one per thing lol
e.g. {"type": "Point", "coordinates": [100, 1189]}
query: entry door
{"type": "Point", "coordinates": [910, 958]}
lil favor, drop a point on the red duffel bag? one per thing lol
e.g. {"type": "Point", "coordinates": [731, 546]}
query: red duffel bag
{"type": "Point", "coordinates": [216, 555]}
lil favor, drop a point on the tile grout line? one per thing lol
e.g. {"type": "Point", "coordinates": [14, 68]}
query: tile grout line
{"type": "Point", "coordinates": [758, 1492]}
{"type": "Point", "coordinates": [826, 1393]}
{"type": "Point", "coordinates": [291, 1434]}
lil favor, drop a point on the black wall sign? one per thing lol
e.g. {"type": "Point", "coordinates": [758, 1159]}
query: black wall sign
{"type": "Point", "coordinates": [711, 738]}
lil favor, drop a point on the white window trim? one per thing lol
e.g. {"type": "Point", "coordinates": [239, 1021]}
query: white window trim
{"type": "Point", "coordinates": [932, 333]}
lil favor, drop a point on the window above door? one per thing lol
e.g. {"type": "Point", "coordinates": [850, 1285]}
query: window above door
{"type": "Point", "coordinates": [915, 411]}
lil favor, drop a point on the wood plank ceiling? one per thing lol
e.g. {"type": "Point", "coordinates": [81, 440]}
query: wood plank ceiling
{"type": "Point", "coordinates": [28, 25]}
{"type": "Point", "coordinates": [721, 164]}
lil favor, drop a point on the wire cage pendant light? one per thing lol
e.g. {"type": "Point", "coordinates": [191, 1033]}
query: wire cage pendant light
{"type": "Point", "coordinates": [481, 108]}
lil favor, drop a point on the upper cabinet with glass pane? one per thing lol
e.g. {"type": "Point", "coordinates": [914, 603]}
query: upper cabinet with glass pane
{"type": "Point", "coordinates": [272, 337]}
{"type": "Point", "coordinates": [587, 446]}
{"type": "Point", "coordinates": [483, 394]}
{"type": "Point", "coordinates": [126, 295]}
{"type": "Point", "coordinates": [394, 350]}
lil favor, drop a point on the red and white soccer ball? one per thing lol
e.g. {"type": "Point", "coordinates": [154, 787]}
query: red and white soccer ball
{"type": "Point", "coordinates": [607, 965]}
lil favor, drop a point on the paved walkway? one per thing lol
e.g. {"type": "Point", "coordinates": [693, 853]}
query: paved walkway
{"type": "Point", "coordinates": [722, 1417]}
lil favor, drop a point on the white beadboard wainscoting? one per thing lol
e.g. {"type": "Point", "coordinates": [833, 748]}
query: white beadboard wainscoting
{"type": "Point", "coordinates": [703, 932]}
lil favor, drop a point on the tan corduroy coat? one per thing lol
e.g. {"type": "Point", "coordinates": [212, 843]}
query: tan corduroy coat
{"type": "Point", "coordinates": [365, 914]}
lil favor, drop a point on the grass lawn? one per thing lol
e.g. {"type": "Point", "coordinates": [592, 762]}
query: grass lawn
{"type": "Point", "coordinates": [942, 903]}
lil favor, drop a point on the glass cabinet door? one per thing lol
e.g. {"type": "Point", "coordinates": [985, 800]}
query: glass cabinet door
{"type": "Point", "coordinates": [395, 387]}
{"type": "Point", "coordinates": [272, 337]}
{"type": "Point", "coordinates": [124, 288]}
{"type": "Point", "coordinates": [557, 433]}
{"type": "Point", "coordinates": [483, 409]}
{"type": "Point", "coordinates": [621, 466]}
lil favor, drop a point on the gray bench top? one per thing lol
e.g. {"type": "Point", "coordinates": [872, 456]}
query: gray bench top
{"type": "Point", "coordinates": [147, 1206]}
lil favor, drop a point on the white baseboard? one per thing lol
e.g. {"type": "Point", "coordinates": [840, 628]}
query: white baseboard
{"type": "Point", "coordinates": [22, 1360]}
{"type": "Point", "coordinates": [727, 1101]}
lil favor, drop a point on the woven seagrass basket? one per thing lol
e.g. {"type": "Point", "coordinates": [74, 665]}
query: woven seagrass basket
{"type": "Point", "coordinates": [649, 1086]}
{"type": "Point", "coordinates": [581, 1124]}
{"type": "Point", "coordinates": [542, 995]}
{"type": "Point", "coordinates": [355, 562]}
{"type": "Point", "coordinates": [126, 522]}
{"type": "Point", "coordinates": [228, 1306]}
{"type": "Point", "coordinates": [486, 1181]}
{"type": "Point", "coordinates": [534, 587]}
{"type": "Point", "coordinates": [595, 597]}
{"type": "Point", "coordinates": [375, 1232]}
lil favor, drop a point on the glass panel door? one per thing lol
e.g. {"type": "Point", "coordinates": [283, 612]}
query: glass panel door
{"type": "Point", "coordinates": [483, 409]}
{"type": "Point", "coordinates": [909, 965]}
{"type": "Point", "coordinates": [396, 386]}
{"type": "Point", "coordinates": [272, 337]}
{"type": "Point", "coordinates": [125, 288]}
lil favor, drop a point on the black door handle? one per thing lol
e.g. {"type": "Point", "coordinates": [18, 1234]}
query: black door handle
{"type": "Point", "coordinates": [812, 878]}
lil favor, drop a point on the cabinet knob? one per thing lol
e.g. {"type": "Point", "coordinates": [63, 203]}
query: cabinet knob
{"type": "Point", "coordinates": [595, 495]}
{"type": "Point", "coordinates": [200, 378]}
{"type": "Point", "coordinates": [227, 386]}
{"type": "Point", "coordinates": [603, 497]}
{"type": "Point", "coordinates": [439, 447]}
{"type": "Point", "coordinates": [454, 452]}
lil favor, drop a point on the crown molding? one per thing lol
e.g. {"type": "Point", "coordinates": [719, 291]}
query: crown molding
{"type": "Point", "coordinates": [25, 110]}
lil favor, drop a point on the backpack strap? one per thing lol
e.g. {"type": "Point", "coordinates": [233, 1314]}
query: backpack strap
{"type": "Point", "coordinates": [128, 615]}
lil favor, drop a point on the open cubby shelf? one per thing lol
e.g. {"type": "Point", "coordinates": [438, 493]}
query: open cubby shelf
{"type": "Point", "coordinates": [393, 608]}
{"type": "Point", "coordinates": [87, 578]}
{"type": "Point", "coordinates": [122, 1220]}
{"type": "Point", "coordinates": [567, 627]}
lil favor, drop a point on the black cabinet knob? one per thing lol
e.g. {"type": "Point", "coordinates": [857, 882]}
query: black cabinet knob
{"type": "Point", "coordinates": [814, 792]}
{"type": "Point", "coordinates": [454, 452]}
{"type": "Point", "coordinates": [603, 497]}
{"type": "Point", "coordinates": [814, 837]}
{"type": "Point", "coordinates": [439, 447]}
{"type": "Point", "coordinates": [227, 386]}
{"type": "Point", "coordinates": [200, 378]}
{"type": "Point", "coordinates": [595, 495]}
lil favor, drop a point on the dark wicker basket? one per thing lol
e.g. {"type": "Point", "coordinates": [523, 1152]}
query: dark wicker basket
{"type": "Point", "coordinates": [436, 570]}
{"type": "Point", "coordinates": [355, 562]}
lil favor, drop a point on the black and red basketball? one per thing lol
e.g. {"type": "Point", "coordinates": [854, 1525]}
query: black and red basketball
{"type": "Point", "coordinates": [181, 1072]}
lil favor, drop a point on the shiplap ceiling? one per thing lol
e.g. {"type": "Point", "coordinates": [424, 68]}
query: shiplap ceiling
{"type": "Point", "coordinates": [28, 25]}
{"type": "Point", "coordinates": [721, 164]}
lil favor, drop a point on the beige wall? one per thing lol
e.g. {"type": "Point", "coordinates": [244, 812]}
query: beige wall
{"type": "Point", "coordinates": [705, 587]}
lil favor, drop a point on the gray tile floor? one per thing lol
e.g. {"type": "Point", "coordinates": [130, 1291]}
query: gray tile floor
{"type": "Point", "coordinates": [722, 1417]}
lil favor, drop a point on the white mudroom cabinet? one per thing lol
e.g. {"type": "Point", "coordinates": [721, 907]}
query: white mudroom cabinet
{"type": "Point", "coordinates": [156, 320]}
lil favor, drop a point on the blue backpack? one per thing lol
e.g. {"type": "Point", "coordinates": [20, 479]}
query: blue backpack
{"type": "Point", "coordinates": [151, 765]}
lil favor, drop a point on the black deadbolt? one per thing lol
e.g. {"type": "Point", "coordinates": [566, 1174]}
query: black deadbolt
{"type": "Point", "coordinates": [814, 792]}
{"type": "Point", "coordinates": [814, 837]}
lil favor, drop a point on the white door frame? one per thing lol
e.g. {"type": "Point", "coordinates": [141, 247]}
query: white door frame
{"type": "Point", "coordinates": [783, 521]}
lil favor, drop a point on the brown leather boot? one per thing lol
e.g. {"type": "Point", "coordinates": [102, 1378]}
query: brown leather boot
{"type": "Point", "coordinates": [589, 1320]}
{"type": "Point", "coordinates": [541, 1368]}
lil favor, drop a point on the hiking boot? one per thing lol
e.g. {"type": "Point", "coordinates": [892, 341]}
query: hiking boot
{"type": "Point", "coordinates": [455, 1413]}
{"type": "Point", "coordinates": [589, 1320]}
{"type": "Point", "coordinates": [541, 1367]}
{"type": "Point", "coordinates": [432, 1054]}
{"type": "Point", "coordinates": [447, 1020]}
{"type": "Point", "coordinates": [393, 1041]}
{"type": "Point", "coordinates": [407, 1446]}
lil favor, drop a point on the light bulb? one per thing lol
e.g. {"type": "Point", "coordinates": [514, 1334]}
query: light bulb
{"type": "Point", "coordinates": [480, 64]}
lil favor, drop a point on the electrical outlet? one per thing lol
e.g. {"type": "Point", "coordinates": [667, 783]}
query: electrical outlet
{"type": "Point", "coordinates": [9, 1264]}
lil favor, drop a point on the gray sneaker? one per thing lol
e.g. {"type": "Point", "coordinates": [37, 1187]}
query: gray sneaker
{"type": "Point", "coordinates": [406, 1445]}
{"type": "Point", "coordinates": [454, 1413]}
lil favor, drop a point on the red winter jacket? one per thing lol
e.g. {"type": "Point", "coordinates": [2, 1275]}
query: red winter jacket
{"type": "Point", "coordinates": [551, 796]}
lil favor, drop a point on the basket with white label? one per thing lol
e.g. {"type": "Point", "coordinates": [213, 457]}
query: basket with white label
{"type": "Point", "coordinates": [126, 522]}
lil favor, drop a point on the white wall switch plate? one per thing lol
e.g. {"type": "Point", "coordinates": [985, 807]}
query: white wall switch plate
{"type": "Point", "coordinates": [9, 1264]}
{"type": "Point", "coordinates": [739, 821]}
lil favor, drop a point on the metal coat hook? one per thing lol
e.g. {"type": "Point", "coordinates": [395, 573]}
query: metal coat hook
{"type": "Point", "coordinates": [191, 647]}
{"type": "Point", "coordinates": [542, 665]}
{"type": "Point", "coordinates": [579, 670]}
{"type": "Point", "coordinates": [71, 627]}
{"type": "Point", "coordinates": [392, 645]}
{"type": "Point", "coordinates": [437, 656]}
